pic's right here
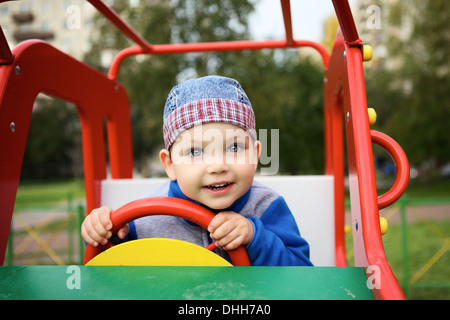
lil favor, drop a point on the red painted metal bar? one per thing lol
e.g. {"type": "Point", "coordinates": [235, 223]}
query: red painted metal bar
{"type": "Point", "coordinates": [38, 67]}
{"type": "Point", "coordinates": [346, 22]}
{"type": "Point", "coordinates": [334, 163]}
{"type": "Point", "coordinates": [215, 46]}
{"type": "Point", "coordinates": [345, 80]}
{"type": "Point", "coordinates": [401, 164]}
{"type": "Point", "coordinates": [127, 30]}
{"type": "Point", "coordinates": [286, 8]}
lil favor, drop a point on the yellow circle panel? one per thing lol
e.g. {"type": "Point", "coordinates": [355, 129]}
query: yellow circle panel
{"type": "Point", "coordinates": [158, 252]}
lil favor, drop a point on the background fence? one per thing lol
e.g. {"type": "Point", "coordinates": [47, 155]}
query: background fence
{"type": "Point", "coordinates": [425, 236]}
{"type": "Point", "coordinates": [417, 246]}
{"type": "Point", "coordinates": [46, 233]}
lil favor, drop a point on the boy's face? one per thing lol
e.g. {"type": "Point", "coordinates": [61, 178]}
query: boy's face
{"type": "Point", "coordinates": [214, 163]}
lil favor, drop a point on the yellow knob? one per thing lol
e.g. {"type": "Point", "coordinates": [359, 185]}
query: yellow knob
{"type": "Point", "coordinates": [367, 53]}
{"type": "Point", "coordinates": [347, 229]}
{"type": "Point", "coordinates": [383, 226]}
{"type": "Point", "coordinates": [372, 116]}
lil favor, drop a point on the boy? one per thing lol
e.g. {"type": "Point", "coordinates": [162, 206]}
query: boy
{"type": "Point", "coordinates": [211, 155]}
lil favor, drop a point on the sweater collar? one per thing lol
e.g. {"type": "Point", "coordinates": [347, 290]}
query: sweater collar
{"type": "Point", "coordinates": [175, 192]}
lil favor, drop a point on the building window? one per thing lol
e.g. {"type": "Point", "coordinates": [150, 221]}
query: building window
{"type": "Point", "coordinates": [45, 7]}
{"type": "Point", "coordinates": [4, 10]}
{"type": "Point", "coordinates": [44, 26]}
{"type": "Point", "coordinates": [25, 8]}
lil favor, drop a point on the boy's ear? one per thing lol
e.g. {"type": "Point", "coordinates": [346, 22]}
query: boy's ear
{"type": "Point", "coordinates": [164, 157]}
{"type": "Point", "coordinates": [258, 149]}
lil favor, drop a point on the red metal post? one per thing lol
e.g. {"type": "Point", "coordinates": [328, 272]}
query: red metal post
{"type": "Point", "coordinates": [346, 22]}
{"type": "Point", "coordinates": [286, 8]}
{"type": "Point", "coordinates": [334, 163]}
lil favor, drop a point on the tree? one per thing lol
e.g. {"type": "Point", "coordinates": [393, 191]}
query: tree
{"type": "Point", "coordinates": [428, 68]}
{"type": "Point", "coordinates": [147, 79]}
{"type": "Point", "coordinates": [330, 27]}
{"type": "Point", "coordinates": [54, 139]}
{"type": "Point", "coordinates": [286, 93]}
{"type": "Point", "coordinates": [209, 21]}
{"type": "Point", "coordinates": [412, 93]}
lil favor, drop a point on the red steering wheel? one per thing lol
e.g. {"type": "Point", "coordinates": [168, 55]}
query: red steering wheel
{"type": "Point", "coordinates": [165, 206]}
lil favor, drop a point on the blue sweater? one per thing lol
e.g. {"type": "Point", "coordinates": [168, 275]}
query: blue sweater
{"type": "Point", "coordinates": [276, 239]}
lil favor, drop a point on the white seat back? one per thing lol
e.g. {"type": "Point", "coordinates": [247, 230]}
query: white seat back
{"type": "Point", "coordinates": [310, 199]}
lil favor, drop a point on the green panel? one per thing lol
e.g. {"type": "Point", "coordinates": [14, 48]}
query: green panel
{"type": "Point", "coordinates": [166, 283]}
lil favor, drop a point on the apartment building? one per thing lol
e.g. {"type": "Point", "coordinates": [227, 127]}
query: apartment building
{"type": "Point", "coordinates": [66, 24]}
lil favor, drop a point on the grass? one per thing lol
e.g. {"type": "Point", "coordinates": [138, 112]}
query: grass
{"type": "Point", "coordinates": [54, 191]}
{"type": "Point", "coordinates": [39, 193]}
{"type": "Point", "coordinates": [423, 242]}
{"type": "Point", "coordinates": [432, 189]}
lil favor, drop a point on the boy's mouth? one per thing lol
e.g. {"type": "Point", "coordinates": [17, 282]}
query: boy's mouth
{"type": "Point", "coordinates": [218, 186]}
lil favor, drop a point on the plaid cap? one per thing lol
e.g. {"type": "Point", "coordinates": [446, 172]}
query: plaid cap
{"type": "Point", "coordinates": [205, 100]}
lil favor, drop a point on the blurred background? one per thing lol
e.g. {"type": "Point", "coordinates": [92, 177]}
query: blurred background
{"type": "Point", "coordinates": [407, 83]}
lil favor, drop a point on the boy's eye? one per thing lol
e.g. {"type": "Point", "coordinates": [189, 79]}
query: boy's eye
{"type": "Point", "coordinates": [235, 148]}
{"type": "Point", "coordinates": [195, 152]}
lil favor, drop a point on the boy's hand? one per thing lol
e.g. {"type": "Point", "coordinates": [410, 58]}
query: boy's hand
{"type": "Point", "coordinates": [96, 227]}
{"type": "Point", "coordinates": [230, 230]}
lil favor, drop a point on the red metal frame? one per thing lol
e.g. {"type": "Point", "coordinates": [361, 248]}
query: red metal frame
{"type": "Point", "coordinates": [38, 67]}
{"type": "Point", "coordinates": [344, 93]}
{"type": "Point", "coordinates": [6, 56]}
{"type": "Point", "coordinates": [213, 46]}
{"type": "Point", "coordinates": [35, 66]}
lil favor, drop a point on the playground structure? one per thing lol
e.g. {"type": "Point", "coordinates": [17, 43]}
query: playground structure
{"type": "Point", "coordinates": [35, 66]}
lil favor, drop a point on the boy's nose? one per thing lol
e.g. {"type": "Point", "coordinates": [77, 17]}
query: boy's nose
{"type": "Point", "coordinates": [217, 166]}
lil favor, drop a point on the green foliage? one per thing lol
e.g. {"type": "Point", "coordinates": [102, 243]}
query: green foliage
{"type": "Point", "coordinates": [210, 21]}
{"type": "Point", "coordinates": [286, 94]}
{"type": "Point", "coordinates": [36, 193]}
{"type": "Point", "coordinates": [285, 87]}
{"type": "Point", "coordinates": [53, 137]}
{"type": "Point", "coordinates": [286, 91]}
{"type": "Point", "coordinates": [411, 97]}
{"type": "Point", "coordinates": [146, 78]}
